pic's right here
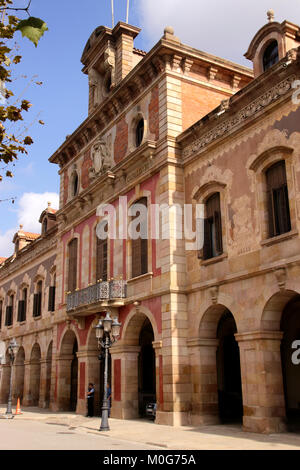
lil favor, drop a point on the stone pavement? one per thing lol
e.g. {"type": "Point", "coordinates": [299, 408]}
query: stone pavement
{"type": "Point", "coordinates": [218, 437]}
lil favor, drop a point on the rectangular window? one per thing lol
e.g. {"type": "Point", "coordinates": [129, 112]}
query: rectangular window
{"type": "Point", "coordinates": [37, 300]}
{"type": "Point", "coordinates": [101, 260]}
{"type": "Point", "coordinates": [22, 307]}
{"type": "Point", "coordinates": [139, 251]}
{"type": "Point", "coordinates": [213, 244]}
{"type": "Point", "coordinates": [278, 200]}
{"type": "Point", "coordinates": [72, 271]}
{"type": "Point", "coordinates": [51, 303]}
{"type": "Point", "coordinates": [9, 312]}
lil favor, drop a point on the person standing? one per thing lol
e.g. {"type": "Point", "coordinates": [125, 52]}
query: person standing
{"type": "Point", "coordinates": [90, 400]}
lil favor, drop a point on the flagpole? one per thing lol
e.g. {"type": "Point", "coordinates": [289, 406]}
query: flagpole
{"type": "Point", "coordinates": [127, 15]}
{"type": "Point", "coordinates": [112, 13]}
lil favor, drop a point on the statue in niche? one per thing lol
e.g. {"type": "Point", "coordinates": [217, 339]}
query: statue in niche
{"type": "Point", "coordinates": [101, 156]}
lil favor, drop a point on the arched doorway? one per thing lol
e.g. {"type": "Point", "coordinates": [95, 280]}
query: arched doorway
{"type": "Point", "coordinates": [35, 375]}
{"type": "Point", "coordinates": [137, 379]}
{"type": "Point", "coordinates": [290, 326]}
{"type": "Point", "coordinates": [146, 368]}
{"type": "Point", "coordinates": [19, 375]}
{"type": "Point", "coordinates": [68, 373]}
{"type": "Point", "coordinates": [216, 372]}
{"type": "Point", "coordinates": [48, 375]}
{"type": "Point", "coordinates": [229, 371]}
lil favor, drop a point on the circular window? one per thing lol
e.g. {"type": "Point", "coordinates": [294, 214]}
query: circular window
{"type": "Point", "coordinates": [139, 133]}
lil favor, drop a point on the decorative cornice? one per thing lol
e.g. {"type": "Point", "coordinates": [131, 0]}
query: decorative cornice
{"type": "Point", "coordinates": [229, 125]}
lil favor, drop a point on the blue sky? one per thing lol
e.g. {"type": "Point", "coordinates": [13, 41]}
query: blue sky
{"type": "Point", "coordinates": [222, 28]}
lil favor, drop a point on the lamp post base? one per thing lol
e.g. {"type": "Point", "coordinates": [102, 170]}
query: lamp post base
{"type": "Point", "coordinates": [7, 416]}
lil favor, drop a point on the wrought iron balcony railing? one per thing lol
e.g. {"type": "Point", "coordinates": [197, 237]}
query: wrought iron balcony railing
{"type": "Point", "coordinates": [100, 292]}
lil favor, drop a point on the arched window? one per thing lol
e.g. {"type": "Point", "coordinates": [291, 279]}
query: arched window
{"type": "Point", "coordinates": [37, 300]}
{"type": "Point", "coordinates": [72, 268]}
{"type": "Point", "coordinates": [139, 252]}
{"type": "Point", "coordinates": [139, 132]}
{"type": "Point", "coordinates": [270, 56]}
{"type": "Point", "coordinates": [101, 258]}
{"type": "Point", "coordinates": [278, 200]}
{"type": "Point", "coordinates": [213, 245]}
{"type": "Point", "coordinates": [22, 308]}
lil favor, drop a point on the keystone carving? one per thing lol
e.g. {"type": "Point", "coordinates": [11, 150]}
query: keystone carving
{"type": "Point", "coordinates": [280, 275]}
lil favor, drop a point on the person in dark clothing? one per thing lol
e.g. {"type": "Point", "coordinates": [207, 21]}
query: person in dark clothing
{"type": "Point", "coordinates": [90, 400]}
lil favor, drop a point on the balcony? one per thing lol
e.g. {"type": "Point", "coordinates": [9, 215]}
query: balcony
{"type": "Point", "coordinates": [93, 298]}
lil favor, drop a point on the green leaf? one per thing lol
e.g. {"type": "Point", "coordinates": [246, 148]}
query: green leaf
{"type": "Point", "coordinates": [33, 29]}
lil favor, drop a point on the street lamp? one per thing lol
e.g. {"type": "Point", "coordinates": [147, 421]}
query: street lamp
{"type": "Point", "coordinates": [12, 352]}
{"type": "Point", "coordinates": [107, 333]}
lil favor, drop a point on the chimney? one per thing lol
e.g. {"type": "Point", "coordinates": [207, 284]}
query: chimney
{"type": "Point", "coordinates": [124, 35]}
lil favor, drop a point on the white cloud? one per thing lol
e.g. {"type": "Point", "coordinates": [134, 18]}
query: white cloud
{"type": "Point", "coordinates": [6, 245]}
{"type": "Point", "coordinates": [30, 207]}
{"type": "Point", "coordinates": [218, 27]}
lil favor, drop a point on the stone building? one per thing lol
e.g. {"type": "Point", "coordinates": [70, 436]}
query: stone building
{"type": "Point", "coordinates": [207, 334]}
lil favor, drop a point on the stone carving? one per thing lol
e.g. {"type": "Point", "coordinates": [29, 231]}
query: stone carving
{"type": "Point", "coordinates": [101, 157]}
{"type": "Point", "coordinates": [249, 111]}
{"type": "Point", "coordinates": [242, 230]}
{"type": "Point", "coordinates": [214, 294]}
{"type": "Point", "coordinates": [94, 80]}
{"type": "Point", "coordinates": [280, 275]}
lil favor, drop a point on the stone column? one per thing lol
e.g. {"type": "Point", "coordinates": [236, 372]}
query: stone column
{"type": "Point", "coordinates": [205, 408]}
{"type": "Point", "coordinates": [127, 405]}
{"type": "Point", "coordinates": [43, 383]}
{"type": "Point", "coordinates": [262, 381]}
{"type": "Point", "coordinates": [157, 346]}
{"type": "Point", "coordinates": [63, 382]}
{"type": "Point", "coordinates": [27, 398]}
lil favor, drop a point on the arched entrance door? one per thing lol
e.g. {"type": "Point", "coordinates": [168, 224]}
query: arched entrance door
{"type": "Point", "coordinates": [68, 373]}
{"type": "Point", "coordinates": [229, 371]}
{"type": "Point", "coordinates": [35, 375]}
{"type": "Point", "coordinates": [146, 368]}
{"type": "Point", "coordinates": [290, 326]}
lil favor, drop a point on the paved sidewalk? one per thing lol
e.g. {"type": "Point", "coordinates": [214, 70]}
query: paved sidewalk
{"type": "Point", "coordinates": [166, 437]}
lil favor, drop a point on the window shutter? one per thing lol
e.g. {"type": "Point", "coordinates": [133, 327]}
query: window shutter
{"type": "Point", "coordinates": [20, 310]}
{"type": "Point", "coordinates": [218, 232]}
{"type": "Point", "coordinates": [139, 250]}
{"type": "Point", "coordinates": [101, 260]}
{"type": "Point", "coordinates": [72, 273]}
{"type": "Point", "coordinates": [35, 300]}
{"type": "Point", "coordinates": [277, 200]}
{"type": "Point", "coordinates": [51, 301]}
{"type": "Point", "coordinates": [207, 240]}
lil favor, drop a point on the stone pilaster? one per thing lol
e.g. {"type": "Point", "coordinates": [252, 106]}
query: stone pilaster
{"type": "Point", "coordinates": [202, 354]}
{"type": "Point", "coordinates": [262, 381]}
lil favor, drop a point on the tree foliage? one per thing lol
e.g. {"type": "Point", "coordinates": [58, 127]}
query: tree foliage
{"type": "Point", "coordinates": [12, 110]}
